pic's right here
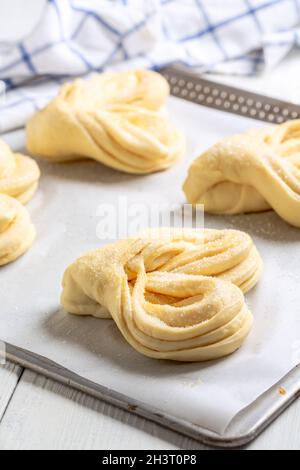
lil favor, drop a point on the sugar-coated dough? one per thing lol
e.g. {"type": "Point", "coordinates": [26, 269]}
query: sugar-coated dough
{"type": "Point", "coordinates": [250, 172]}
{"type": "Point", "coordinates": [116, 118]}
{"type": "Point", "coordinates": [174, 294]}
{"type": "Point", "coordinates": [19, 175]}
{"type": "Point", "coordinates": [16, 230]}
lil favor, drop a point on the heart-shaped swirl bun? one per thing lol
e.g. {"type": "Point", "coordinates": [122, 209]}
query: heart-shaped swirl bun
{"type": "Point", "coordinates": [116, 118]}
{"type": "Point", "coordinates": [16, 230]}
{"type": "Point", "coordinates": [173, 293]}
{"type": "Point", "coordinates": [250, 172]}
{"type": "Point", "coordinates": [19, 175]}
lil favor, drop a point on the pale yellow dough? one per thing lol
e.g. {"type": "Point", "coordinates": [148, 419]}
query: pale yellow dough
{"type": "Point", "coordinates": [19, 175]}
{"type": "Point", "coordinates": [116, 118]}
{"type": "Point", "coordinates": [251, 172]}
{"type": "Point", "coordinates": [173, 294]}
{"type": "Point", "coordinates": [16, 230]}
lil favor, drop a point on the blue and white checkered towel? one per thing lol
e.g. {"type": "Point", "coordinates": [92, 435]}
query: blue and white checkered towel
{"type": "Point", "coordinates": [77, 37]}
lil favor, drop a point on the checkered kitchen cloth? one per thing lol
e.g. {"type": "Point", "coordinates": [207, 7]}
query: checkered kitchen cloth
{"type": "Point", "coordinates": [77, 37]}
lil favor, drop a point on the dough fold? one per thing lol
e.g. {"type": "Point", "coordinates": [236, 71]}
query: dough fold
{"type": "Point", "coordinates": [116, 118]}
{"type": "Point", "coordinates": [16, 230]}
{"type": "Point", "coordinates": [174, 294]}
{"type": "Point", "coordinates": [19, 175]}
{"type": "Point", "coordinates": [251, 172]}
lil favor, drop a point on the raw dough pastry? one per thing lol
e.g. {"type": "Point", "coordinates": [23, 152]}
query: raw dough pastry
{"type": "Point", "coordinates": [250, 172]}
{"type": "Point", "coordinates": [19, 175]}
{"type": "Point", "coordinates": [172, 293]}
{"type": "Point", "coordinates": [16, 230]}
{"type": "Point", "coordinates": [116, 118]}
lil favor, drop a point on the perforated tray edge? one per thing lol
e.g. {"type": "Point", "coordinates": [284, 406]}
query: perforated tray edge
{"type": "Point", "coordinates": [191, 87]}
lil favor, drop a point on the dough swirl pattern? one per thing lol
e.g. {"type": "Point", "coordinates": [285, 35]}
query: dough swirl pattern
{"type": "Point", "coordinates": [115, 118]}
{"type": "Point", "coordinates": [19, 174]}
{"type": "Point", "coordinates": [173, 294]}
{"type": "Point", "coordinates": [16, 230]}
{"type": "Point", "coordinates": [251, 172]}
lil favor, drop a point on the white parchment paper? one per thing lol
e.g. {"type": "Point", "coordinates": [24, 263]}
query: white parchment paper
{"type": "Point", "coordinates": [65, 213]}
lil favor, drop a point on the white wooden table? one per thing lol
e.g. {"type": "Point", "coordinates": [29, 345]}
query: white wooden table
{"type": "Point", "coordinates": [38, 413]}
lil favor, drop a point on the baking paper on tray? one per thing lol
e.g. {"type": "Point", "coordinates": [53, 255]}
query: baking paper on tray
{"type": "Point", "coordinates": [64, 211]}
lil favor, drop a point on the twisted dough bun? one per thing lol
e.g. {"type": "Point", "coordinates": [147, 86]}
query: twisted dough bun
{"type": "Point", "coordinates": [16, 230]}
{"type": "Point", "coordinates": [173, 294]}
{"type": "Point", "coordinates": [251, 172]}
{"type": "Point", "coordinates": [19, 175]}
{"type": "Point", "coordinates": [115, 118]}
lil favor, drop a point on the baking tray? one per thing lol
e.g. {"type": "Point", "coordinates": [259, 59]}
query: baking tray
{"type": "Point", "coordinates": [245, 427]}
{"type": "Point", "coordinates": [251, 421]}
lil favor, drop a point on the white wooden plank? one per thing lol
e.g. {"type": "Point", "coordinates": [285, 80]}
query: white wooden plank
{"type": "Point", "coordinates": [44, 414]}
{"type": "Point", "coordinates": [9, 376]}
